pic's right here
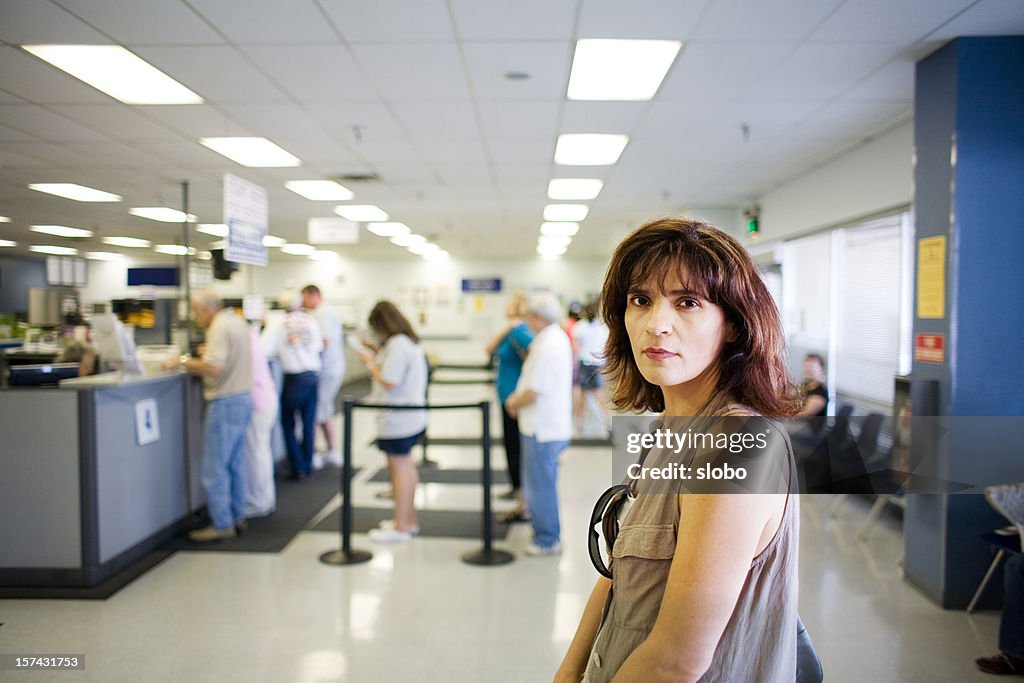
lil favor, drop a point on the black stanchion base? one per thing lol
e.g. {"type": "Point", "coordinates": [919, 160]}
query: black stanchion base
{"type": "Point", "coordinates": [427, 462]}
{"type": "Point", "coordinates": [488, 557]}
{"type": "Point", "coordinates": [339, 557]}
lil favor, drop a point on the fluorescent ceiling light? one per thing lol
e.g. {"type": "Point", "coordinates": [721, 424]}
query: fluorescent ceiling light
{"type": "Point", "coordinates": [574, 188]}
{"type": "Point", "coordinates": [173, 249]}
{"type": "Point", "coordinates": [80, 193]}
{"type": "Point", "coordinates": [103, 255]}
{"type": "Point", "coordinates": [298, 249]}
{"type": "Point", "coordinates": [133, 242]}
{"type": "Point", "coordinates": [324, 255]}
{"type": "Point", "coordinates": [565, 212]}
{"type": "Point", "coordinates": [4, 219]}
{"type": "Point", "coordinates": [555, 241]}
{"type": "Point", "coordinates": [215, 229]}
{"type": "Point", "coordinates": [423, 248]}
{"type": "Point", "coordinates": [252, 152]}
{"type": "Point", "coordinates": [272, 241]}
{"type": "Point", "coordinates": [61, 231]}
{"type": "Point", "coordinates": [620, 69]}
{"type": "Point", "coordinates": [438, 255]}
{"type": "Point", "coordinates": [50, 249]}
{"type": "Point", "coordinates": [388, 229]}
{"type": "Point", "coordinates": [320, 190]}
{"type": "Point", "coordinates": [8, 243]}
{"type": "Point", "coordinates": [550, 257]}
{"type": "Point", "coordinates": [117, 72]}
{"type": "Point", "coordinates": [563, 228]}
{"type": "Point", "coordinates": [361, 213]}
{"type": "Point", "coordinates": [589, 149]}
{"type": "Point", "coordinates": [161, 213]}
{"type": "Point", "coordinates": [408, 240]}
{"type": "Point", "coordinates": [550, 250]}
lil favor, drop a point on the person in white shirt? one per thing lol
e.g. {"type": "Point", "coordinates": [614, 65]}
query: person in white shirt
{"type": "Point", "coordinates": [332, 372]}
{"type": "Point", "coordinates": [588, 338]}
{"type": "Point", "coordinates": [542, 402]}
{"type": "Point", "coordinates": [297, 341]}
{"type": "Point", "coordinates": [399, 372]}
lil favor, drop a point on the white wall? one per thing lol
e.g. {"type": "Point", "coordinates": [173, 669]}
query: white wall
{"type": "Point", "coordinates": [869, 179]}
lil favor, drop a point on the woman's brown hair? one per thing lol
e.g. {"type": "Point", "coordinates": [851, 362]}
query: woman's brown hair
{"type": "Point", "coordinates": [752, 368]}
{"type": "Point", "coordinates": [387, 321]}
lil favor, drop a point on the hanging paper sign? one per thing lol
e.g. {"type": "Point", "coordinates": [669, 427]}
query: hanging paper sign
{"type": "Point", "coordinates": [246, 214]}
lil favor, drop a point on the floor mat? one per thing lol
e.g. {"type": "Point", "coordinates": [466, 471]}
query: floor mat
{"type": "Point", "coordinates": [440, 475]}
{"type": "Point", "coordinates": [434, 523]}
{"type": "Point", "coordinates": [297, 504]}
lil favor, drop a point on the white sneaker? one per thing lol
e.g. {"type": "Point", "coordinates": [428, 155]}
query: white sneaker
{"type": "Point", "coordinates": [534, 550]}
{"type": "Point", "coordinates": [318, 462]}
{"type": "Point", "coordinates": [333, 458]}
{"type": "Point", "coordinates": [389, 524]}
{"type": "Point", "coordinates": [389, 536]}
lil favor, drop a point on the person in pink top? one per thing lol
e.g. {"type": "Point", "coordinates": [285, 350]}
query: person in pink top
{"type": "Point", "coordinates": [260, 496]}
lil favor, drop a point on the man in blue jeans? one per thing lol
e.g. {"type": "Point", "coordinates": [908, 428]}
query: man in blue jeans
{"type": "Point", "coordinates": [226, 369]}
{"type": "Point", "coordinates": [1008, 500]}
{"type": "Point", "coordinates": [542, 402]}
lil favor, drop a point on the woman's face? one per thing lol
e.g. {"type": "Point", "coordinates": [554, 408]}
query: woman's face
{"type": "Point", "coordinates": [676, 335]}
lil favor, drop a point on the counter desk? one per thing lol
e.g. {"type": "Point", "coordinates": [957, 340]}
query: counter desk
{"type": "Point", "coordinates": [95, 474]}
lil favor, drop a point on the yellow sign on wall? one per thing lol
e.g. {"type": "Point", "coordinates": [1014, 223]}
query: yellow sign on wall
{"type": "Point", "coordinates": [931, 277]}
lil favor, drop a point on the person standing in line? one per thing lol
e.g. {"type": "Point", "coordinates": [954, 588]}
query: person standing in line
{"type": "Point", "coordinates": [589, 337]}
{"type": "Point", "coordinates": [542, 402]}
{"type": "Point", "coordinates": [510, 348]}
{"type": "Point", "coordinates": [332, 372]}
{"type": "Point", "coordinates": [226, 369]}
{"type": "Point", "coordinates": [260, 495]}
{"type": "Point", "coordinates": [399, 373]}
{"type": "Point", "coordinates": [297, 341]}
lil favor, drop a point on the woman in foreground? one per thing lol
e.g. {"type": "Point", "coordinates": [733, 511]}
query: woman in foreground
{"type": "Point", "coordinates": [703, 580]}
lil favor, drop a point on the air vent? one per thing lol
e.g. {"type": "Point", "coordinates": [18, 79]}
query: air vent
{"type": "Point", "coordinates": [357, 178]}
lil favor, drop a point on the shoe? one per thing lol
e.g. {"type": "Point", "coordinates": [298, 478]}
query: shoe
{"type": "Point", "coordinates": [298, 476]}
{"type": "Point", "coordinates": [318, 462]}
{"type": "Point", "coordinates": [508, 495]}
{"type": "Point", "coordinates": [385, 495]}
{"type": "Point", "coordinates": [513, 516]}
{"type": "Point", "coordinates": [389, 524]}
{"type": "Point", "coordinates": [333, 458]}
{"type": "Point", "coordinates": [534, 550]}
{"type": "Point", "coordinates": [1001, 664]}
{"type": "Point", "coordinates": [389, 536]}
{"type": "Point", "coordinates": [241, 526]}
{"type": "Point", "coordinates": [212, 534]}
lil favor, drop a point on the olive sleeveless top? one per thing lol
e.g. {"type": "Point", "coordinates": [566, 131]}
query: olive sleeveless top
{"type": "Point", "coordinates": [758, 644]}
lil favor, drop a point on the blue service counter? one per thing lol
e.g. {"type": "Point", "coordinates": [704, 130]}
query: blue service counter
{"type": "Point", "coordinates": [95, 474]}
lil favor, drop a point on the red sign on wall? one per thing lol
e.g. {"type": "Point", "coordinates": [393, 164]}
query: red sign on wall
{"type": "Point", "coordinates": [929, 348]}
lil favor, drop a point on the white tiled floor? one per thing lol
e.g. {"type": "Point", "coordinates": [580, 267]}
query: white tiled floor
{"type": "Point", "coordinates": [418, 613]}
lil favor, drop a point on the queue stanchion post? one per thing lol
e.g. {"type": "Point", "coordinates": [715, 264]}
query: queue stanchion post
{"type": "Point", "coordinates": [346, 555]}
{"type": "Point", "coordinates": [487, 555]}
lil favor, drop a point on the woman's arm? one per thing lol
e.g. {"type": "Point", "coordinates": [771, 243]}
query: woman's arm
{"type": "Point", "coordinates": [719, 535]}
{"type": "Point", "coordinates": [496, 340]}
{"type": "Point", "coordinates": [575, 662]}
{"type": "Point", "coordinates": [812, 406]}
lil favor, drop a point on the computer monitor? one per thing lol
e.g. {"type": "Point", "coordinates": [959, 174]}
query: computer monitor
{"type": "Point", "coordinates": [115, 344]}
{"type": "Point", "coordinates": [42, 375]}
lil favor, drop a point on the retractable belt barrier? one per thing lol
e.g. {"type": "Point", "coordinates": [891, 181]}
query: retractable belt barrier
{"type": "Point", "coordinates": [487, 555]}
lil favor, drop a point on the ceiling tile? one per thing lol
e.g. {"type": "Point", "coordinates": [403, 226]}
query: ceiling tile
{"type": "Point", "coordinates": [196, 120]}
{"type": "Point", "coordinates": [526, 150]}
{"type": "Point", "coordinates": [643, 19]}
{"type": "Point", "coordinates": [820, 71]}
{"type": "Point", "coordinates": [119, 122]}
{"type": "Point", "coordinates": [313, 73]}
{"type": "Point", "coordinates": [40, 22]}
{"type": "Point", "coordinates": [144, 22]}
{"type": "Point", "coordinates": [602, 117]}
{"type": "Point", "coordinates": [267, 21]}
{"type": "Point", "coordinates": [417, 72]}
{"type": "Point", "coordinates": [50, 154]}
{"type": "Point", "coordinates": [187, 155]}
{"type": "Point", "coordinates": [893, 81]}
{"type": "Point", "coordinates": [706, 72]}
{"type": "Point", "coordinates": [744, 21]}
{"type": "Point", "coordinates": [985, 18]}
{"type": "Point", "coordinates": [537, 120]}
{"type": "Point", "coordinates": [391, 21]}
{"type": "Point", "coordinates": [451, 151]}
{"type": "Point", "coordinates": [46, 125]}
{"type": "Point", "coordinates": [898, 21]}
{"type": "Point", "coordinates": [107, 155]}
{"type": "Point", "coordinates": [521, 20]}
{"type": "Point", "coordinates": [217, 74]}
{"type": "Point", "coordinates": [351, 121]}
{"type": "Point", "coordinates": [438, 120]}
{"type": "Point", "coordinates": [547, 64]}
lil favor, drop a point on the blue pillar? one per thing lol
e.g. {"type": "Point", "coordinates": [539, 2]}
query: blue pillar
{"type": "Point", "coordinates": [969, 189]}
